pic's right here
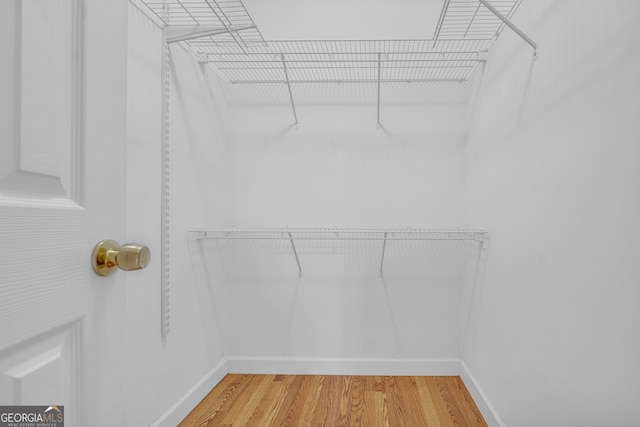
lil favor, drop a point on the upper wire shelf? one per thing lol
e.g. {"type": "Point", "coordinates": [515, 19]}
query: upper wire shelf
{"type": "Point", "coordinates": [219, 22]}
{"type": "Point", "coordinates": [222, 33]}
{"type": "Point", "coordinates": [463, 19]}
{"type": "Point", "coordinates": [346, 61]}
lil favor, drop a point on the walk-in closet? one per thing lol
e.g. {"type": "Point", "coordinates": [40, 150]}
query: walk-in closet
{"type": "Point", "coordinates": [363, 212]}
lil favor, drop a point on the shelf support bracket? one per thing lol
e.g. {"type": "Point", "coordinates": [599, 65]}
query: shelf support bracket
{"type": "Point", "coordinates": [177, 34]}
{"type": "Point", "coordinates": [229, 27]}
{"type": "Point", "coordinates": [384, 247]}
{"type": "Point", "coordinates": [510, 24]}
{"type": "Point", "coordinates": [378, 118]}
{"type": "Point", "coordinates": [293, 106]}
{"type": "Point", "coordinates": [165, 208]}
{"type": "Point", "coordinates": [295, 253]}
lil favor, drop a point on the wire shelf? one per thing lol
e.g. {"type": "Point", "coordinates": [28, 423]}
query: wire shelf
{"type": "Point", "coordinates": [223, 34]}
{"type": "Point", "coordinates": [333, 233]}
{"type": "Point", "coordinates": [346, 61]}
{"type": "Point", "coordinates": [232, 42]}
{"type": "Point", "coordinates": [470, 19]}
{"type": "Point", "coordinates": [383, 235]}
{"type": "Point", "coordinates": [227, 21]}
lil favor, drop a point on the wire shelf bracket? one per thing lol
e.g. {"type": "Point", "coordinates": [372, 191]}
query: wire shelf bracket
{"type": "Point", "coordinates": [295, 252]}
{"type": "Point", "coordinates": [510, 24]}
{"type": "Point", "coordinates": [378, 117]}
{"type": "Point", "coordinates": [384, 247]}
{"type": "Point", "coordinates": [286, 76]}
{"type": "Point", "coordinates": [180, 33]}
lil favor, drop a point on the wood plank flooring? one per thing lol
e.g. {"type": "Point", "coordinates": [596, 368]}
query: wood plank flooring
{"type": "Point", "coordinates": [336, 401]}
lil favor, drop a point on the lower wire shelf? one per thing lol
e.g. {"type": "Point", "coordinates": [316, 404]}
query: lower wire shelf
{"type": "Point", "coordinates": [338, 234]}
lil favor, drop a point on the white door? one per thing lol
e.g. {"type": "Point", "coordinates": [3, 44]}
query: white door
{"type": "Point", "coordinates": [62, 189]}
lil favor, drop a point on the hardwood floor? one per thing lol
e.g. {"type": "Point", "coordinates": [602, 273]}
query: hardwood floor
{"type": "Point", "coordinates": [333, 401]}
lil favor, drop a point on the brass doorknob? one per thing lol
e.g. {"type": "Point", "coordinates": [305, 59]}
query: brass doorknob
{"type": "Point", "coordinates": [109, 255]}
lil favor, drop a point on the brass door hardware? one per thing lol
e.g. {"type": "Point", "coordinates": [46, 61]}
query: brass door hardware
{"type": "Point", "coordinates": [109, 255]}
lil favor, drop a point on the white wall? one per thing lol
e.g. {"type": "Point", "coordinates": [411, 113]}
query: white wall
{"type": "Point", "coordinates": [160, 373]}
{"type": "Point", "coordinates": [336, 169]}
{"type": "Point", "coordinates": [553, 174]}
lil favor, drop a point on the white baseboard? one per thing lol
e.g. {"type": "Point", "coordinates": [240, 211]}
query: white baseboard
{"type": "Point", "coordinates": [181, 408]}
{"type": "Point", "coordinates": [341, 366]}
{"type": "Point", "coordinates": [487, 410]}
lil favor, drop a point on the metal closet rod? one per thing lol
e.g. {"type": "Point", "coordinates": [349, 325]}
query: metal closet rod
{"type": "Point", "coordinates": [384, 52]}
{"type": "Point", "coordinates": [345, 81]}
{"type": "Point", "coordinates": [337, 234]}
{"type": "Point", "coordinates": [337, 46]}
{"type": "Point", "coordinates": [322, 61]}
